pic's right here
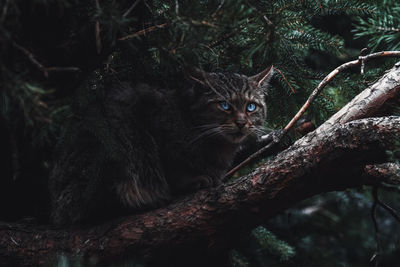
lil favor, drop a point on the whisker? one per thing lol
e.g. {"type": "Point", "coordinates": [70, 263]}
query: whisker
{"type": "Point", "coordinates": [205, 134]}
{"type": "Point", "coordinates": [205, 126]}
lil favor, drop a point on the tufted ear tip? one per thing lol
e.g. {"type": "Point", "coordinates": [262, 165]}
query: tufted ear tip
{"type": "Point", "coordinates": [263, 78]}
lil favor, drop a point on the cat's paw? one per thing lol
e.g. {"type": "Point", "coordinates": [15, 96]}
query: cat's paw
{"type": "Point", "coordinates": [192, 183]}
{"type": "Point", "coordinates": [202, 181]}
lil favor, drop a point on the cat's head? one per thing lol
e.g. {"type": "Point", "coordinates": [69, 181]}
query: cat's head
{"type": "Point", "coordinates": [230, 105]}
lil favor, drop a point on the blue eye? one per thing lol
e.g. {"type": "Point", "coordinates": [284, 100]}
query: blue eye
{"type": "Point", "coordinates": [251, 107]}
{"type": "Point", "coordinates": [224, 105]}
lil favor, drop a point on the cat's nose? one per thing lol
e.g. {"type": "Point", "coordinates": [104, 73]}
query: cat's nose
{"type": "Point", "coordinates": [240, 123]}
{"type": "Point", "coordinates": [240, 120]}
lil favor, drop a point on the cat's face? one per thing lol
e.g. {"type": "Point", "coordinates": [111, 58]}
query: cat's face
{"type": "Point", "coordinates": [231, 105]}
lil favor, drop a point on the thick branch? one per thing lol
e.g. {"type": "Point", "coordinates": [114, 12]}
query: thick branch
{"type": "Point", "coordinates": [385, 172]}
{"type": "Point", "coordinates": [372, 99]}
{"type": "Point", "coordinates": [334, 160]}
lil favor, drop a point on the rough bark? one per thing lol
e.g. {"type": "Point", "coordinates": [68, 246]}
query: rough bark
{"type": "Point", "coordinates": [388, 172]}
{"type": "Point", "coordinates": [331, 158]}
{"type": "Point", "coordinates": [370, 101]}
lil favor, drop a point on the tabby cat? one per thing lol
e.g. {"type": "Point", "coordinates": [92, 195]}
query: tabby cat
{"type": "Point", "coordinates": [159, 144]}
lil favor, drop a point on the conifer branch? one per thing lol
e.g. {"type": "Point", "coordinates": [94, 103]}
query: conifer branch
{"type": "Point", "coordinates": [126, 13]}
{"type": "Point", "coordinates": [143, 32]}
{"type": "Point", "coordinates": [97, 31]}
{"type": "Point", "coordinates": [218, 8]}
{"type": "Point", "coordinates": [276, 136]}
{"type": "Point", "coordinates": [177, 7]}
{"type": "Point", "coordinates": [286, 80]}
{"type": "Point", "coordinates": [320, 5]}
{"type": "Point", "coordinates": [40, 66]}
{"type": "Point", "coordinates": [32, 59]}
{"type": "Point", "coordinates": [223, 38]}
{"type": "Point", "coordinates": [4, 12]}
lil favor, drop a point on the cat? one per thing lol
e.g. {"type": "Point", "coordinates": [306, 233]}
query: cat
{"type": "Point", "coordinates": [153, 144]}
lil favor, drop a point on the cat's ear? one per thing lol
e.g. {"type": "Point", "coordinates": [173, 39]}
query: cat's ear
{"type": "Point", "coordinates": [262, 79]}
{"type": "Point", "coordinates": [198, 75]}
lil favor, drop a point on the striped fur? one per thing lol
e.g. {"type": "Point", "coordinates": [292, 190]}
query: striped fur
{"type": "Point", "coordinates": [153, 144]}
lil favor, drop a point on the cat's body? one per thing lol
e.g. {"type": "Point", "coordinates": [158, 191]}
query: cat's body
{"type": "Point", "coordinates": [163, 143]}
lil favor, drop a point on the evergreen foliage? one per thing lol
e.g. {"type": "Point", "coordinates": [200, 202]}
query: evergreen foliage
{"type": "Point", "coordinates": [381, 27]}
{"type": "Point", "coordinates": [152, 41]}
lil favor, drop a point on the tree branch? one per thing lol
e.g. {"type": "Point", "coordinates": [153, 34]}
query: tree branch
{"type": "Point", "coordinates": [387, 172]}
{"type": "Point", "coordinates": [40, 66]}
{"type": "Point", "coordinates": [143, 32]}
{"type": "Point", "coordinates": [126, 13]}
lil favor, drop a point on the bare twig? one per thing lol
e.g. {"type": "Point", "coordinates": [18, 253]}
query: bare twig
{"type": "Point", "coordinates": [61, 69]}
{"type": "Point", "coordinates": [276, 136]}
{"type": "Point", "coordinates": [363, 52]}
{"type": "Point", "coordinates": [229, 35]}
{"type": "Point", "coordinates": [237, 30]}
{"type": "Point", "coordinates": [387, 173]}
{"type": "Point", "coordinates": [331, 75]}
{"type": "Point", "coordinates": [390, 210]}
{"type": "Point", "coordinates": [143, 32]}
{"type": "Point", "coordinates": [202, 23]}
{"type": "Point", "coordinates": [4, 13]}
{"type": "Point", "coordinates": [98, 38]}
{"type": "Point", "coordinates": [32, 59]}
{"type": "Point", "coordinates": [223, 38]}
{"type": "Point", "coordinates": [240, 27]}
{"type": "Point", "coordinates": [273, 138]}
{"type": "Point", "coordinates": [130, 8]}
{"type": "Point", "coordinates": [15, 156]}
{"type": "Point", "coordinates": [13, 240]}
{"type": "Point", "coordinates": [177, 7]}
{"type": "Point", "coordinates": [320, 5]}
{"type": "Point", "coordinates": [97, 31]}
{"type": "Point", "coordinates": [40, 66]}
{"type": "Point", "coordinates": [284, 77]}
{"type": "Point", "coordinates": [108, 63]}
{"type": "Point", "coordinates": [387, 29]}
{"type": "Point", "coordinates": [218, 8]}
{"type": "Point", "coordinates": [373, 216]}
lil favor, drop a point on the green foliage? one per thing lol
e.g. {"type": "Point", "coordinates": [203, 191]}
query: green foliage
{"type": "Point", "coordinates": [268, 241]}
{"type": "Point", "coordinates": [202, 33]}
{"type": "Point", "coordinates": [237, 259]}
{"type": "Point", "coordinates": [335, 229]}
{"type": "Point", "coordinates": [262, 249]}
{"type": "Point", "coordinates": [381, 27]}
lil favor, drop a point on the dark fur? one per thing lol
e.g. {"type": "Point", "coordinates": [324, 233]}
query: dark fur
{"type": "Point", "coordinates": [163, 143]}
